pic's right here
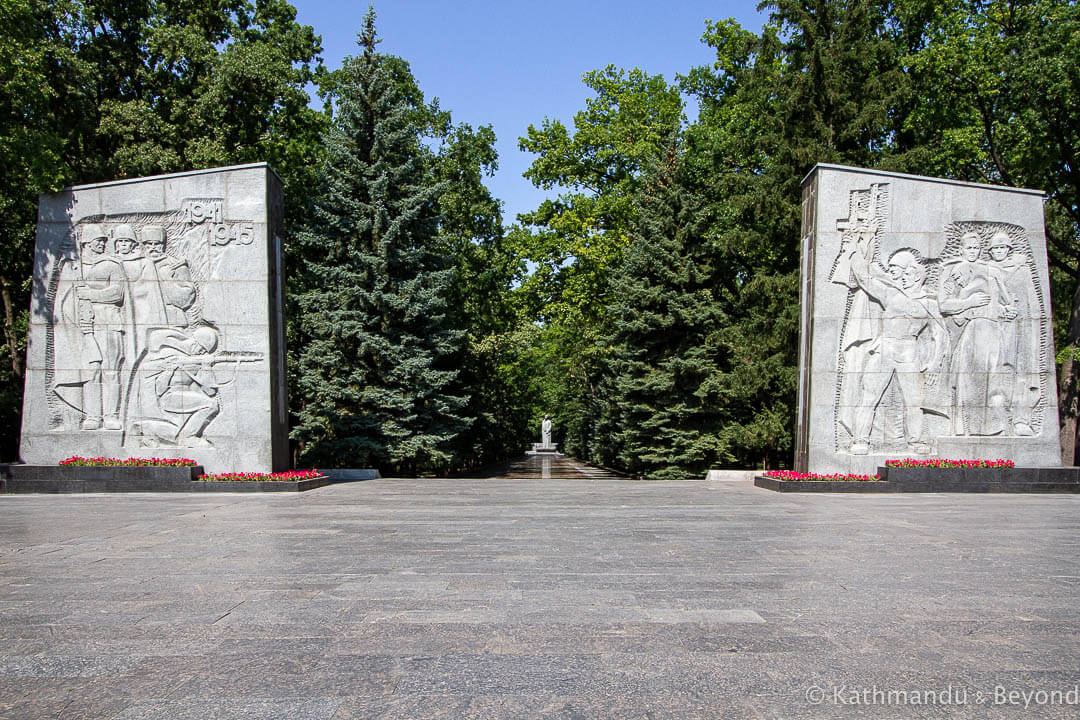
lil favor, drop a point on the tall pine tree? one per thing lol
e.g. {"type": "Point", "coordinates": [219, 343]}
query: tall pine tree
{"type": "Point", "coordinates": [657, 420]}
{"type": "Point", "coordinates": [376, 372]}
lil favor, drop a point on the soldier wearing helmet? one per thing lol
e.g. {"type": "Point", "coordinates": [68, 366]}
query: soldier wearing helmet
{"type": "Point", "coordinates": [148, 302]}
{"type": "Point", "coordinates": [910, 349]}
{"type": "Point", "coordinates": [94, 304]}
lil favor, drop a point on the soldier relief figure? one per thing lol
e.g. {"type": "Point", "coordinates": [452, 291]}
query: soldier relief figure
{"type": "Point", "coordinates": [91, 323]}
{"type": "Point", "coordinates": [934, 347]}
{"type": "Point", "coordinates": [907, 348]}
{"type": "Point", "coordinates": [127, 347]}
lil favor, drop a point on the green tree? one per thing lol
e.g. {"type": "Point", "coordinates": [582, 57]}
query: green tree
{"type": "Point", "coordinates": [664, 311]}
{"type": "Point", "coordinates": [480, 299]}
{"type": "Point", "coordinates": [179, 85]}
{"type": "Point", "coordinates": [820, 83]}
{"type": "Point", "coordinates": [35, 56]}
{"type": "Point", "coordinates": [570, 243]}
{"type": "Point", "coordinates": [997, 99]}
{"type": "Point", "coordinates": [471, 238]}
{"type": "Point", "coordinates": [376, 371]}
{"type": "Point", "coordinates": [579, 234]}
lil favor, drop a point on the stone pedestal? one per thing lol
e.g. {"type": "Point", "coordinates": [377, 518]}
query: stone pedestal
{"type": "Point", "coordinates": [157, 325]}
{"type": "Point", "coordinates": [942, 480]}
{"type": "Point", "coordinates": [926, 325]}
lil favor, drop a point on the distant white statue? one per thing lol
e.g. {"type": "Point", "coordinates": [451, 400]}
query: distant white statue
{"type": "Point", "coordinates": [545, 431]}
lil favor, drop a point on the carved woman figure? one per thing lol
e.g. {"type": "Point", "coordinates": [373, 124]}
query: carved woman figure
{"type": "Point", "coordinates": [975, 300]}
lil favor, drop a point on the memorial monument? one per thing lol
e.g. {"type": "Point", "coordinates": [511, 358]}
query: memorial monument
{"type": "Point", "coordinates": [925, 326]}
{"type": "Point", "coordinates": [545, 445]}
{"type": "Point", "coordinates": [157, 324]}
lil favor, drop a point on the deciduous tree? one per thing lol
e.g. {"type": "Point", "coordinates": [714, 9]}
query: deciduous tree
{"type": "Point", "coordinates": [997, 99]}
{"type": "Point", "coordinates": [570, 243]}
{"type": "Point", "coordinates": [102, 89]}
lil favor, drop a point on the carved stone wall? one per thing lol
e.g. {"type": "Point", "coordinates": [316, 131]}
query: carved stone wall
{"type": "Point", "coordinates": [926, 323]}
{"type": "Point", "coordinates": [157, 325]}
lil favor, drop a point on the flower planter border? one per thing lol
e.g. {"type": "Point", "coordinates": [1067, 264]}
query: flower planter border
{"type": "Point", "coordinates": [53, 479]}
{"type": "Point", "coordinates": [836, 486]}
{"type": "Point", "coordinates": [943, 480]}
{"type": "Point", "coordinates": [985, 480]}
{"type": "Point", "coordinates": [258, 486]}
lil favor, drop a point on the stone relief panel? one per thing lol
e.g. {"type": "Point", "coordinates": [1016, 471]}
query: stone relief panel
{"type": "Point", "coordinates": [128, 348]}
{"type": "Point", "coordinates": [931, 347]}
{"type": "Point", "coordinates": [993, 305]}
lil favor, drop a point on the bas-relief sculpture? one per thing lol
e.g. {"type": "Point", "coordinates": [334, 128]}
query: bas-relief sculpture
{"type": "Point", "coordinates": [942, 347]}
{"type": "Point", "coordinates": [126, 356]}
{"type": "Point", "coordinates": [132, 356]}
{"type": "Point", "coordinates": [951, 335]}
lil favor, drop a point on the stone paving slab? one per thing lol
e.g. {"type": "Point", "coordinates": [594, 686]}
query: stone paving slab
{"type": "Point", "coordinates": [535, 598]}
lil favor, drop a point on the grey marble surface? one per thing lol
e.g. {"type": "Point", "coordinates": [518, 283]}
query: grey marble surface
{"type": "Point", "coordinates": [519, 598]}
{"type": "Point", "coordinates": [926, 323]}
{"type": "Point", "coordinates": [156, 322]}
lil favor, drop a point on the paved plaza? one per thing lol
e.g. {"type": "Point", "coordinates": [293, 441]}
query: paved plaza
{"type": "Point", "coordinates": [530, 597]}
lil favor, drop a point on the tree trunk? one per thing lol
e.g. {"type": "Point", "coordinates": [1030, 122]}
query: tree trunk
{"type": "Point", "coordinates": [9, 329]}
{"type": "Point", "coordinates": [1069, 387]}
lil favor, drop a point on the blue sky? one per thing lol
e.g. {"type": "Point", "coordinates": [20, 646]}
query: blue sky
{"type": "Point", "coordinates": [512, 63]}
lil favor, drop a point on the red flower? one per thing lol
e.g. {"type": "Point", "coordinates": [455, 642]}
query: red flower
{"type": "Point", "coordinates": [287, 476]}
{"type": "Point", "coordinates": [947, 463]}
{"type": "Point", "coordinates": [78, 461]}
{"type": "Point", "coordinates": [792, 475]}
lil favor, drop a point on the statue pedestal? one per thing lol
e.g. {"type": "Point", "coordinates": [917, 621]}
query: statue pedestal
{"type": "Point", "coordinates": [545, 448]}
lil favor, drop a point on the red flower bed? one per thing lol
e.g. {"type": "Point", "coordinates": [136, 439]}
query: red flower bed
{"type": "Point", "coordinates": [946, 463]}
{"type": "Point", "coordinates": [287, 476]}
{"type": "Point", "coordinates": [128, 462]}
{"type": "Point", "coordinates": [792, 475]}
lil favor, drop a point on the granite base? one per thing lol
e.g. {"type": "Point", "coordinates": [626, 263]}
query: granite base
{"type": "Point", "coordinates": [351, 474]}
{"type": "Point", "coordinates": [943, 480]}
{"type": "Point", "coordinates": [54, 479]}
{"type": "Point", "coordinates": [834, 486]}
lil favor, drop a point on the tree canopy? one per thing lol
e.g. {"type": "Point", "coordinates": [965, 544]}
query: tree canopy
{"type": "Point", "coordinates": [650, 305]}
{"type": "Point", "coordinates": [105, 89]}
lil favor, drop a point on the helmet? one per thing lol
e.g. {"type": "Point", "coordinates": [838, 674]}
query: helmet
{"type": "Point", "coordinates": [207, 337]}
{"type": "Point", "coordinates": [91, 231]}
{"type": "Point", "coordinates": [124, 232]}
{"type": "Point", "coordinates": [1001, 239]}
